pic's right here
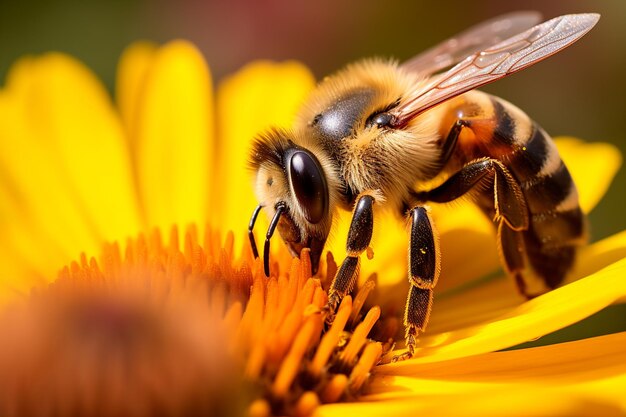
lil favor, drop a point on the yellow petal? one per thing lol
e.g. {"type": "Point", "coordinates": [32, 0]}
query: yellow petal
{"type": "Point", "coordinates": [131, 75]}
{"type": "Point", "coordinates": [174, 137]}
{"type": "Point", "coordinates": [389, 243]}
{"type": "Point", "coordinates": [261, 95]}
{"type": "Point", "coordinates": [527, 401]}
{"type": "Point", "coordinates": [582, 158]}
{"type": "Point", "coordinates": [598, 255]}
{"type": "Point", "coordinates": [468, 248]}
{"type": "Point", "coordinates": [567, 363]}
{"type": "Point", "coordinates": [63, 152]}
{"type": "Point", "coordinates": [527, 321]}
{"type": "Point", "coordinates": [481, 300]}
{"type": "Point", "coordinates": [584, 377]}
{"type": "Point", "coordinates": [28, 257]}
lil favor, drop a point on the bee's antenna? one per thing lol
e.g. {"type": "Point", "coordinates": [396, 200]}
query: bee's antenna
{"type": "Point", "coordinates": [280, 207]}
{"type": "Point", "coordinates": [255, 214]}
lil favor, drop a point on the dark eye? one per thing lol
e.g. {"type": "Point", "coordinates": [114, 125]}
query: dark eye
{"type": "Point", "coordinates": [380, 120]}
{"type": "Point", "coordinates": [309, 185]}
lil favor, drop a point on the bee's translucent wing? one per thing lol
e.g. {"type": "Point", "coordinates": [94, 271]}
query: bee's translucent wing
{"type": "Point", "coordinates": [472, 40]}
{"type": "Point", "coordinates": [500, 60]}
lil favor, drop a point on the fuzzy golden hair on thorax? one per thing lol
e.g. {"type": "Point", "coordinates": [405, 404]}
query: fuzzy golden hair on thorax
{"type": "Point", "coordinates": [368, 157]}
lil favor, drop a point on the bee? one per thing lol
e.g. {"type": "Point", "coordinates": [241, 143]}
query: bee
{"type": "Point", "coordinates": [376, 132]}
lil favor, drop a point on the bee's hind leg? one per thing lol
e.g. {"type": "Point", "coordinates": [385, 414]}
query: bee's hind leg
{"type": "Point", "coordinates": [501, 197]}
{"type": "Point", "coordinates": [424, 268]}
{"type": "Point", "coordinates": [359, 237]}
{"type": "Point", "coordinates": [508, 199]}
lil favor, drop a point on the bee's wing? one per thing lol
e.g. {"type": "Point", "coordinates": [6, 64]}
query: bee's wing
{"type": "Point", "coordinates": [472, 40]}
{"type": "Point", "coordinates": [500, 60]}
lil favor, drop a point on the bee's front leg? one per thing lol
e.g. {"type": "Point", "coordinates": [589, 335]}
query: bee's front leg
{"type": "Point", "coordinates": [359, 237]}
{"type": "Point", "coordinates": [424, 269]}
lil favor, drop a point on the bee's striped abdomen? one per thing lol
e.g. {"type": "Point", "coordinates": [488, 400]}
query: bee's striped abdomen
{"type": "Point", "coordinates": [557, 224]}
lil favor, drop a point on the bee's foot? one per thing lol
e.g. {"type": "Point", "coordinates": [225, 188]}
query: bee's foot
{"type": "Point", "coordinates": [411, 341]}
{"type": "Point", "coordinates": [330, 309]}
{"type": "Point", "coordinates": [402, 357]}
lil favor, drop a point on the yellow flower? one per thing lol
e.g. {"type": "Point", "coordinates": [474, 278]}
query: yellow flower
{"type": "Point", "coordinates": [77, 170]}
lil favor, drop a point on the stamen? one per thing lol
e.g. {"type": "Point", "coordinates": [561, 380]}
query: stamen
{"type": "Point", "coordinates": [307, 403]}
{"type": "Point", "coordinates": [291, 363]}
{"type": "Point", "coordinates": [331, 338]}
{"type": "Point", "coordinates": [259, 408]}
{"type": "Point", "coordinates": [194, 328]}
{"type": "Point", "coordinates": [335, 388]}
{"type": "Point", "coordinates": [359, 300]}
{"type": "Point", "coordinates": [358, 339]}
{"type": "Point", "coordinates": [369, 358]}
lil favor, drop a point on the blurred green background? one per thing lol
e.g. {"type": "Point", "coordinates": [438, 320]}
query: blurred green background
{"type": "Point", "coordinates": [581, 92]}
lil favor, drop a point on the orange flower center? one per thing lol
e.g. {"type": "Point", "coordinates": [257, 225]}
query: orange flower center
{"type": "Point", "coordinates": [191, 329]}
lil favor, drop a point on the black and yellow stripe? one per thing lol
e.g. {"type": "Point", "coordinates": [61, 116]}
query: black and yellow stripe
{"type": "Point", "coordinates": [557, 224]}
{"type": "Point", "coordinates": [498, 130]}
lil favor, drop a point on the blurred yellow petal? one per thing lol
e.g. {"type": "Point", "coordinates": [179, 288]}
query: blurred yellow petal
{"type": "Point", "coordinates": [468, 248]}
{"type": "Point", "coordinates": [530, 320]}
{"type": "Point", "coordinates": [37, 183]}
{"type": "Point", "coordinates": [389, 243]}
{"type": "Point", "coordinates": [132, 69]}
{"type": "Point", "coordinates": [91, 143]}
{"type": "Point", "coordinates": [593, 166]}
{"type": "Point", "coordinates": [175, 137]}
{"type": "Point", "coordinates": [261, 95]}
{"type": "Point", "coordinates": [27, 256]}
{"type": "Point", "coordinates": [63, 150]}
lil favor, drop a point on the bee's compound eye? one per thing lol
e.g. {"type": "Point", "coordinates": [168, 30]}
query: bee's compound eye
{"type": "Point", "coordinates": [309, 185]}
{"type": "Point", "coordinates": [383, 119]}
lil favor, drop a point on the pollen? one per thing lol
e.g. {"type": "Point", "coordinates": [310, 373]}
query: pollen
{"type": "Point", "coordinates": [187, 327]}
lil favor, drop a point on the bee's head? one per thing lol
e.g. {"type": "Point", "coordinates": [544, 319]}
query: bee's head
{"type": "Point", "coordinates": [295, 188]}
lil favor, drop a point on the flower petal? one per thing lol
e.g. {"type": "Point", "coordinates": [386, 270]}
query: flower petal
{"type": "Point", "coordinates": [261, 95]}
{"type": "Point", "coordinates": [563, 363]}
{"type": "Point", "coordinates": [527, 321]}
{"type": "Point", "coordinates": [480, 300]}
{"type": "Point", "coordinates": [28, 257]}
{"type": "Point", "coordinates": [132, 69]}
{"type": "Point", "coordinates": [517, 401]}
{"type": "Point", "coordinates": [598, 255]}
{"type": "Point", "coordinates": [468, 249]}
{"type": "Point", "coordinates": [584, 377]}
{"type": "Point", "coordinates": [602, 159]}
{"type": "Point", "coordinates": [174, 137]}
{"type": "Point", "coordinates": [64, 157]}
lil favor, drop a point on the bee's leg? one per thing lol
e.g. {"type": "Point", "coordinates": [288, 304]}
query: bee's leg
{"type": "Point", "coordinates": [359, 237]}
{"type": "Point", "coordinates": [511, 212]}
{"type": "Point", "coordinates": [511, 249]}
{"type": "Point", "coordinates": [424, 268]}
{"type": "Point", "coordinates": [509, 201]}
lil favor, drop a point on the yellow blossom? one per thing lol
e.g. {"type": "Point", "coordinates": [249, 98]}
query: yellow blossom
{"type": "Point", "coordinates": [78, 170]}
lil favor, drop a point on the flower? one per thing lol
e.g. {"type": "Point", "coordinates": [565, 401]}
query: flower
{"type": "Point", "coordinates": [77, 170]}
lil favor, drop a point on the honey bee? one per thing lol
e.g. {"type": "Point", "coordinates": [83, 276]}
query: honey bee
{"type": "Point", "coordinates": [371, 134]}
